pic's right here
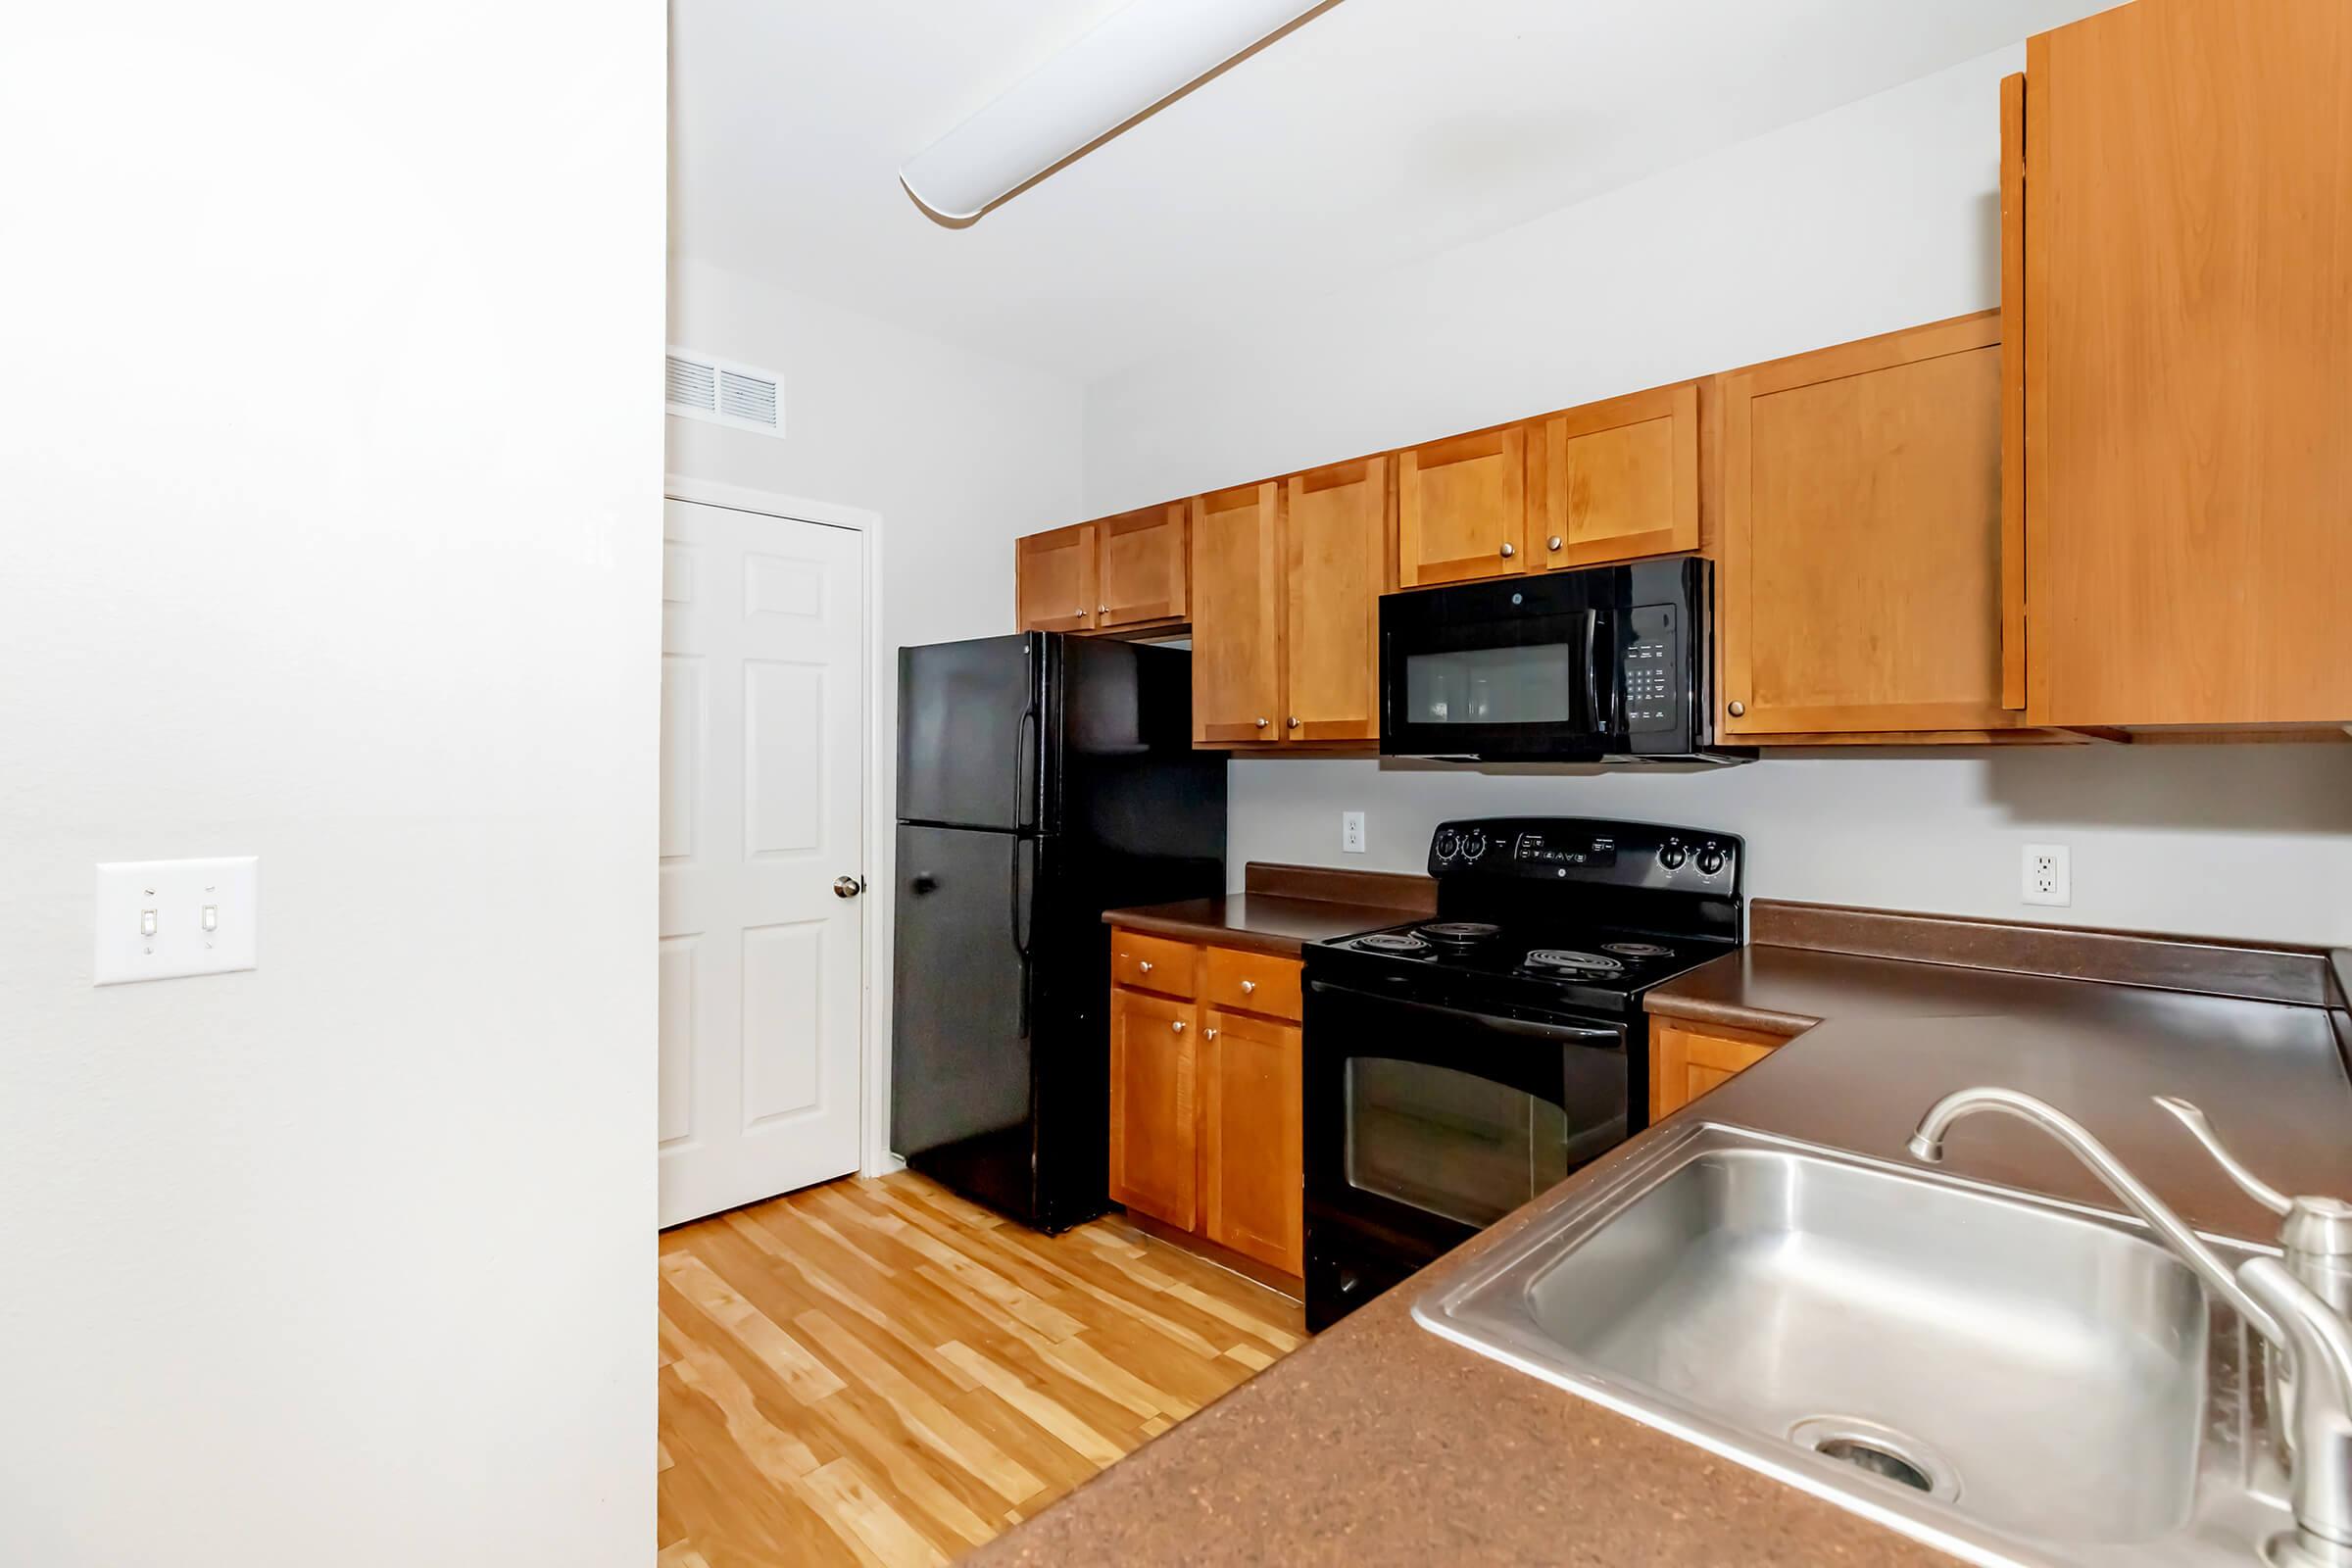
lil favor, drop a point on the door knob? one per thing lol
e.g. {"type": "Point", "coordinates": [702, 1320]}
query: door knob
{"type": "Point", "coordinates": [1145, 965]}
{"type": "Point", "coordinates": [849, 887]}
{"type": "Point", "coordinates": [1738, 708]}
{"type": "Point", "coordinates": [1261, 724]}
{"type": "Point", "coordinates": [1101, 609]}
{"type": "Point", "coordinates": [1508, 550]}
{"type": "Point", "coordinates": [1178, 1026]}
{"type": "Point", "coordinates": [1208, 1034]}
{"type": "Point", "coordinates": [1249, 988]}
{"type": "Point", "coordinates": [1553, 543]}
{"type": "Point", "coordinates": [1293, 721]}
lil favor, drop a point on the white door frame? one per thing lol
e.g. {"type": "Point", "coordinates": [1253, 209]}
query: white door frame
{"type": "Point", "coordinates": [874, 1157]}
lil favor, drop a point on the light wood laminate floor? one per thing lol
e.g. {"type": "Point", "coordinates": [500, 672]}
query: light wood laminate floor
{"type": "Point", "coordinates": [876, 1372]}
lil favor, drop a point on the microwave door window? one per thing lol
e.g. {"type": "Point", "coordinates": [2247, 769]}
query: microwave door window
{"type": "Point", "coordinates": [1533, 683]}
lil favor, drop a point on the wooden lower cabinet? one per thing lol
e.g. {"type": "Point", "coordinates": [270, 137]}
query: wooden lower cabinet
{"type": "Point", "coordinates": [1155, 1109]}
{"type": "Point", "coordinates": [1204, 1097]}
{"type": "Point", "coordinates": [1251, 1160]}
{"type": "Point", "coordinates": [1686, 1061]}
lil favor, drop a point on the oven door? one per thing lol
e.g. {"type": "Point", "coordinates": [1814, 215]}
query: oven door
{"type": "Point", "coordinates": [1425, 1124]}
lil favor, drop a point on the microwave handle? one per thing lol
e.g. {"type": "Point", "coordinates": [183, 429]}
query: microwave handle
{"type": "Point", "coordinates": [1523, 1027]}
{"type": "Point", "coordinates": [1603, 697]}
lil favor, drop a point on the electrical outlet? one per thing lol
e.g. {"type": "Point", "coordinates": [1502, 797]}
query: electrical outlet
{"type": "Point", "coordinates": [1351, 832]}
{"type": "Point", "coordinates": [2048, 878]}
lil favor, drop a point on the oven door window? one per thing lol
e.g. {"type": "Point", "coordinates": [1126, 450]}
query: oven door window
{"type": "Point", "coordinates": [1450, 1144]}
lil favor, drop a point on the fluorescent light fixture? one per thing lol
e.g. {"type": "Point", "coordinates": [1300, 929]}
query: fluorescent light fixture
{"type": "Point", "coordinates": [1140, 55]}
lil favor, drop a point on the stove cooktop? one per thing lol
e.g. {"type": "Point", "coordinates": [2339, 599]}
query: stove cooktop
{"type": "Point", "coordinates": [1570, 968]}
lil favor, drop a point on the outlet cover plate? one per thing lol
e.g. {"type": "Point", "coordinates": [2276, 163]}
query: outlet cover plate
{"type": "Point", "coordinates": [1351, 832]}
{"type": "Point", "coordinates": [175, 894]}
{"type": "Point", "coordinates": [2047, 875]}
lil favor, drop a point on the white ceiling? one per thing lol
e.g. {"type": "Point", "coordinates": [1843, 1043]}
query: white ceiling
{"type": "Point", "coordinates": [1380, 131]}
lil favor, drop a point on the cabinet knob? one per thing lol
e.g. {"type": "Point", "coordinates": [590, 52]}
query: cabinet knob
{"type": "Point", "coordinates": [1178, 1026]}
{"type": "Point", "coordinates": [1508, 550]}
{"type": "Point", "coordinates": [1738, 708]}
{"type": "Point", "coordinates": [1553, 543]}
{"type": "Point", "coordinates": [1101, 609]}
{"type": "Point", "coordinates": [1293, 721]}
{"type": "Point", "coordinates": [1145, 965]}
{"type": "Point", "coordinates": [1261, 724]}
{"type": "Point", "coordinates": [1208, 1034]}
{"type": "Point", "coordinates": [1249, 988]}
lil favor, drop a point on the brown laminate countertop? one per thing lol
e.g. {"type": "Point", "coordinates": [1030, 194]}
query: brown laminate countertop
{"type": "Point", "coordinates": [1264, 922]}
{"type": "Point", "coordinates": [1379, 1443]}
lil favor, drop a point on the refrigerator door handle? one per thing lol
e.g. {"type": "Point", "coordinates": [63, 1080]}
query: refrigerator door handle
{"type": "Point", "coordinates": [1021, 938]}
{"type": "Point", "coordinates": [1023, 732]}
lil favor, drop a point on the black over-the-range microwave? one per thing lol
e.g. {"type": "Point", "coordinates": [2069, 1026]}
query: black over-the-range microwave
{"type": "Point", "coordinates": [1602, 665]}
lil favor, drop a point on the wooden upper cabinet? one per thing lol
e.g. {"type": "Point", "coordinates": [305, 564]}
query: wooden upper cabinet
{"type": "Point", "coordinates": [1146, 566]}
{"type": "Point", "coordinates": [1335, 540]}
{"type": "Point", "coordinates": [1155, 1106]}
{"type": "Point", "coordinates": [1461, 508]}
{"type": "Point", "coordinates": [1614, 480]}
{"type": "Point", "coordinates": [1860, 588]}
{"type": "Point", "coordinates": [1055, 580]}
{"type": "Point", "coordinates": [1250, 1126]}
{"type": "Point", "coordinates": [2187, 256]}
{"type": "Point", "coordinates": [1237, 615]}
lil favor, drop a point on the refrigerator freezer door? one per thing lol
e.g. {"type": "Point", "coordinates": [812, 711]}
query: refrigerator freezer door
{"type": "Point", "coordinates": [961, 1052]}
{"type": "Point", "coordinates": [970, 720]}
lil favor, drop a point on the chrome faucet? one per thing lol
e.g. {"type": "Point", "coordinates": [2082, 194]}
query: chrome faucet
{"type": "Point", "coordinates": [2298, 1305]}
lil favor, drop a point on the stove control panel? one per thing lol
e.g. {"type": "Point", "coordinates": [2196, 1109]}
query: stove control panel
{"type": "Point", "coordinates": [1568, 848]}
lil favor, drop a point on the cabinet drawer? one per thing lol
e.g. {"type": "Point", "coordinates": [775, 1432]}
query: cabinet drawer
{"type": "Point", "coordinates": [1154, 964]}
{"type": "Point", "coordinates": [1253, 982]}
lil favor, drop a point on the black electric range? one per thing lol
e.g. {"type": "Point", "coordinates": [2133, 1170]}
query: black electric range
{"type": "Point", "coordinates": [1457, 1066]}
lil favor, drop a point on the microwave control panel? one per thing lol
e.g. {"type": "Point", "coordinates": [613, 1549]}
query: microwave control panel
{"type": "Point", "coordinates": [1650, 668]}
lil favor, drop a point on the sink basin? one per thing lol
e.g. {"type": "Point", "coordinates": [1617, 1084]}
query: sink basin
{"type": "Point", "coordinates": [2010, 1379]}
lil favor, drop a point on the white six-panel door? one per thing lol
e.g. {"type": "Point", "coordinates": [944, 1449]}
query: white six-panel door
{"type": "Point", "coordinates": [763, 805]}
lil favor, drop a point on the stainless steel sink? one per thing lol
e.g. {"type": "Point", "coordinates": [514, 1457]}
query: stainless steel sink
{"type": "Point", "coordinates": [2010, 1379]}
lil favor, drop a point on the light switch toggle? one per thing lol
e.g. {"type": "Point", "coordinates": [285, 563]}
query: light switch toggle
{"type": "Point", "coordinates": [161, 920]}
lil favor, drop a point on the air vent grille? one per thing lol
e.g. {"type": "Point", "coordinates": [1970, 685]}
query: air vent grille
{"type": "Point", "coordinates": [700, 386]}
{"type": "Point", "coordinates": [748, 397]}
{"type": "Point", "coordinates": [692, 385]}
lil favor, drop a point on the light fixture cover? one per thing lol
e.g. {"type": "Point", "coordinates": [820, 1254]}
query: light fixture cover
{"type": "Point", "coordinates": [1140, 54]}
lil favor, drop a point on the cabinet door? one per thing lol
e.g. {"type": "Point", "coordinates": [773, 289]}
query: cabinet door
{"type": "Point", "coordinates": [1253, 1168]}
{"type": "Point", "coordinates": [1686, 1064]}
{"type": "Point", "coordinates": [1614, 480]}
{"type": "Point", "coordinates": [1237, 615]}
{"type": "Point", "coordinates": [1334, 533]}
{"type": "Point", "coordinates": [1461, 508]}
{"type": "Point", "coordinates": [1146, 566]}
{"type": "Point", "coordinates": [1055, 580]}
{"type": "Point", "coordinates": [1861, 581]}
{"type": "Point", "coordinates": [2188, 364]}
{"type": "Point", "coordinates": [1155, 1106]}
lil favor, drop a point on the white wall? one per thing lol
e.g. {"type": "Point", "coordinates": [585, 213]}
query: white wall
{"type": "Point", "coordinates": [331, 507]}
{"type": "Point", "coordinates": [960, 453]}
{"type": "Point", "coordinates": [1876, 216]}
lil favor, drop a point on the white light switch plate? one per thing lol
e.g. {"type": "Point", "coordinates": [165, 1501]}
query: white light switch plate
{"type": "Point", "coordinates": [153, 919]}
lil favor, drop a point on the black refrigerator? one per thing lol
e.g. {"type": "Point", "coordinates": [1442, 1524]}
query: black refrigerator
{"type": "Point", "coordinates": [1042, 779]}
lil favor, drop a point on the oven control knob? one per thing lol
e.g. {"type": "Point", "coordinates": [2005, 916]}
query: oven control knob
{"type": "Point", "coordinates": [1448, 845]}
{"type": "Point", "coordinates": [1475, 844]}
{"type": "Point", "coordinates": [1673, 854]}
{"type": "Point", "coordinates": [1710, 861]}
